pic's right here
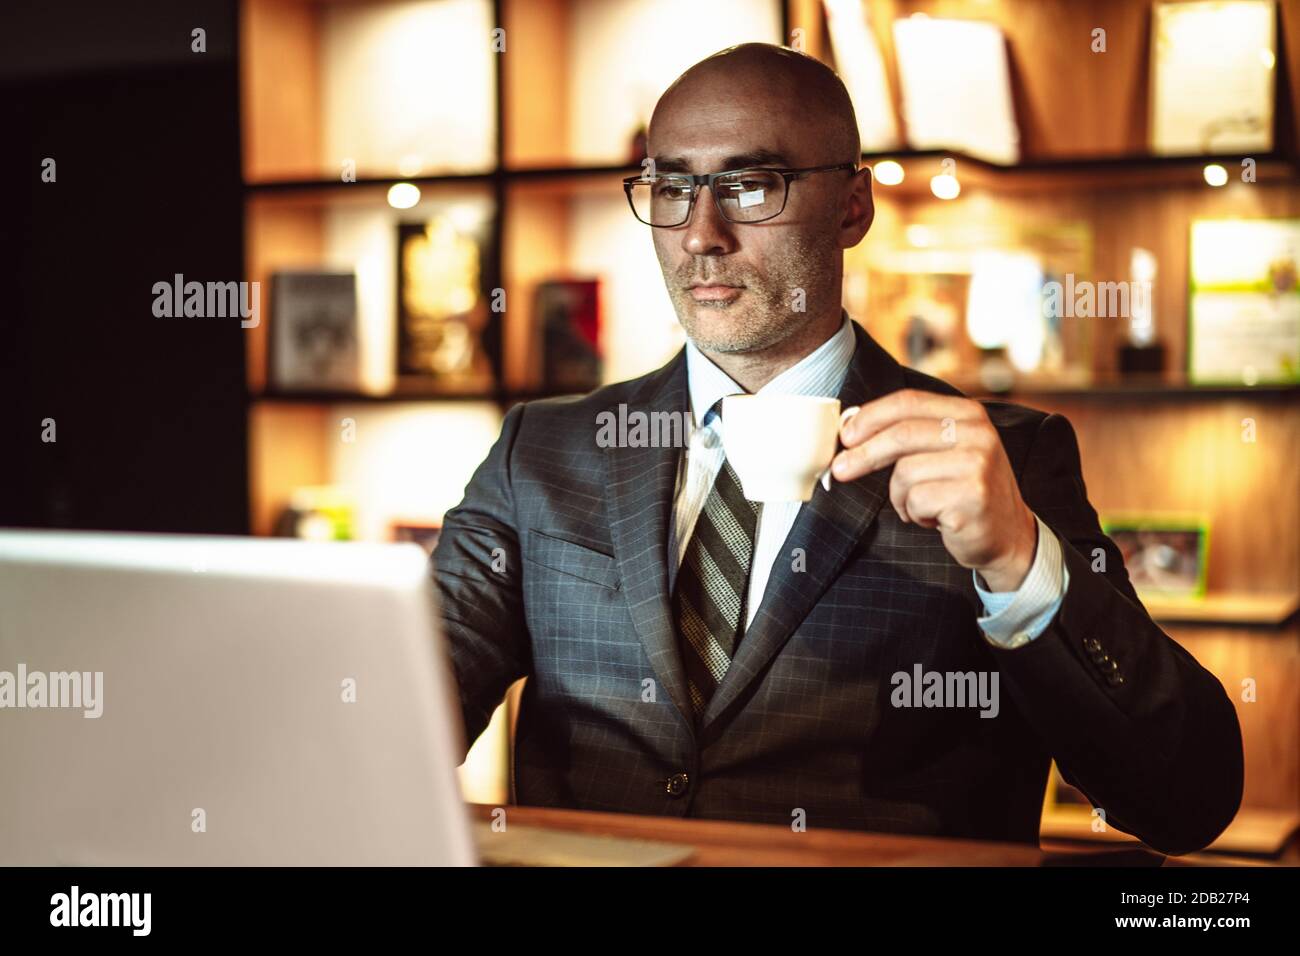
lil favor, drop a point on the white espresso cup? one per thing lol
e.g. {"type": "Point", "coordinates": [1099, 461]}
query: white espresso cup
{"type": "Point", "coordinates": [780, 445]}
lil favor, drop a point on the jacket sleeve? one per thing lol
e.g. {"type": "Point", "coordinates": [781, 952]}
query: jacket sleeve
{"type": "Point", "coordinates": [1130, 717]}
{"type": "Point", "coordinates": [477, 568]}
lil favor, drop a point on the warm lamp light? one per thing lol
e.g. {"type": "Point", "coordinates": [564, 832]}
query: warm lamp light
{"type": "Point", "coordinates": [1216, 175]}
{"type": "Point", "coordinates": [403, 195]}
{"type": "Point", "coordinates": [887, 172]}
{"type": "Point", "coordinates": [945, 186]}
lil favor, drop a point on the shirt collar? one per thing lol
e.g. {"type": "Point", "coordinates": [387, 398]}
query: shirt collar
{"type": "Point", "coordinates": [821, 372]}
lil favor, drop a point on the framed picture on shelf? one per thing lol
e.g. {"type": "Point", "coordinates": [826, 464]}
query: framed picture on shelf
{"type": "Point", "coordinates": [314, 332]}
{"type": "Point", "coordinates": [1165, 555]}
{"type": "Point", "coordinates": [1244, 312]}
{"type": "Point", "coordinates": [1212, 77]}
{"type": "Point", "coordinates": [444, 308]}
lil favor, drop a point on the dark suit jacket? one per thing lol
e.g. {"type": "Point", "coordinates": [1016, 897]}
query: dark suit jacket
{"type": "Point", "coordinates": [554, 567]}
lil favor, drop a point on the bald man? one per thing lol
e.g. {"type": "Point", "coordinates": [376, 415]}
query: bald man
{"type": "Point", "coordinates": [905, 652]}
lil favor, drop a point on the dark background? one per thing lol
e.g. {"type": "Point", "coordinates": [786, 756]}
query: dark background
{"type": "Point", "coordinates": [149, 412]}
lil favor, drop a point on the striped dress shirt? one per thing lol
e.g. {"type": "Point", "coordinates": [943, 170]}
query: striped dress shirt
{"type": "Point", "coordinates": [1011, 618]}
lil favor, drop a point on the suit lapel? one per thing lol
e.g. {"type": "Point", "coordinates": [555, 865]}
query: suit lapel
{"type": "Point", "coordinates": [827, 530]}
{"type": "Point", "coordinates": [642, 482]}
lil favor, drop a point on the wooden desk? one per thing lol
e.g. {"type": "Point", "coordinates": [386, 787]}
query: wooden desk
{"type": "Point", "coordinates": [724, 843]}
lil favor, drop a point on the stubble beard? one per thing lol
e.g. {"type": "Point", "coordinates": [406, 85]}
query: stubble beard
{"type": "Point", "coordinates": [768, 311]}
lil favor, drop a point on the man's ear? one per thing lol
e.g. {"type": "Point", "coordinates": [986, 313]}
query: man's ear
{"type": "Point", "coordinates": [859, 210]}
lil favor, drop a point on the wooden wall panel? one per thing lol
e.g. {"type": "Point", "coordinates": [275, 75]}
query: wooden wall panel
{"type": "Point", "coordinates": [536, 85]}
{"type": "Point", "coordinates": [280, 89]}
{"type": "Point", "coordinates": [286, 450]}
{"type": "Point", "coordinates": [1270, 726]}
{"type": "Point", "coordinates": [1288, 44]}
{"type": "Point", "coordinates": [536, 241]}
{"type": "Point", "coordinates": [808, 17]}
{"type": "Point", "coordinates": [1189, 456]}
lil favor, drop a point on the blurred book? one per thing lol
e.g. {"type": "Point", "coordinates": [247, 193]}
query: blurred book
{"type": "Point", "coordinates": [317, 513]}
{"type": "Point", "coordinates": [314, 332]}
{"type": "Point", "coordinates": [1212, 77]}
{"type": "Point", "coordinates": [956, 87]}
{"type": "Point", "coordinates": [568, 315]}
{"type": "Point", "coordinates": [425, 534]}
{"type": "Point", "coordinates": [860, 65]}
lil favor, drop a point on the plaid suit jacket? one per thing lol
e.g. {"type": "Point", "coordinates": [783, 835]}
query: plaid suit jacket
{"type": "Point", "coordinates": [554, 567]}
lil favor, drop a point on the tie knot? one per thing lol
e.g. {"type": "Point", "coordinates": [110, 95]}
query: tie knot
{"type": "Point", "coordinates": [717, 406]}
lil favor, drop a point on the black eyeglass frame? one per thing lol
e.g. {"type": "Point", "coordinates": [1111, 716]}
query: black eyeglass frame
{"type": "Point", "coordinates": [708, 179]}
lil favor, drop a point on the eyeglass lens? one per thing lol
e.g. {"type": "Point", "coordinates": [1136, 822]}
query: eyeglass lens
{"type": "Point", "coordinates": [746, 196]}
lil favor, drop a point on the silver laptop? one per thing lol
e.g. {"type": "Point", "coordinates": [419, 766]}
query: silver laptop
{"type": "Point", "coordinates": [176, 700]}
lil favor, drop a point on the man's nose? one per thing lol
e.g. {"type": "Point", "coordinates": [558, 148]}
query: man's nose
{"type": "Point", "coordinates": [707, 233]}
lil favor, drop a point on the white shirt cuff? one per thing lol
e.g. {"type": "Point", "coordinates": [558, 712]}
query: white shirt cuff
{"type": "Point", "coordinates": [1014, 618]}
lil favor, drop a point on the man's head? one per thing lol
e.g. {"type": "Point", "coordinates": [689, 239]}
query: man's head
{"type": "Point", "coordinates": [759, 105]}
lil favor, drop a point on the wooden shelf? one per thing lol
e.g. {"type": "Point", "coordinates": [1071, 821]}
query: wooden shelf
{"type": "Point", "coordinates": [919, 165]}
{"type": "Point", "coordinates": [1136, 389]}
{"type": "Point", "coordinates": [1100, 393]}
{"type": "Point", "coordinates": [344, 398]}
{"type": "Point", "coordinates": [504, 396]}
{"type": "Point", "coordinates": [1078, 174]}
{"type": "Point", "coordinates": [271, 186]}
{"type": "Point", "coordinates": [1267, 610]}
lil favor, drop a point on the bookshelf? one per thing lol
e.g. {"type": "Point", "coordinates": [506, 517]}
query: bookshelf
{"type": "Point", "coordinates": [540, 134]}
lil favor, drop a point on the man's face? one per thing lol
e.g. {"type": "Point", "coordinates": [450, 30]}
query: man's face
{"type": "Point", "coordinates": [746, 287]}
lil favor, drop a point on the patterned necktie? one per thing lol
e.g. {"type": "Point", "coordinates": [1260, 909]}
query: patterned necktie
{"type": "Point", "coordinates": [709, 597]}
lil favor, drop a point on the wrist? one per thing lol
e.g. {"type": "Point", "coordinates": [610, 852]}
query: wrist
{"type": "Point", "coordinates": [1009, 573]}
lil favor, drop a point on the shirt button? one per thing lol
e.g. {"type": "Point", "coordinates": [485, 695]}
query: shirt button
{"type": "Point", "coordinates": [678, 784]}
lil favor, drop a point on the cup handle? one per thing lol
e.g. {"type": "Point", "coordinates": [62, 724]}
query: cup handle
{"type": "Point", "coordinates": [844, 416]}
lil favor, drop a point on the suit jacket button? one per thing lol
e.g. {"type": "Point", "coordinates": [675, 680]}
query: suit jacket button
{"type": "Point", "coordinates": [1115, 680]}
{"type": "Point", "coordinates": [677, 784]}
{"type": "Point", "coordinates": [1092, 645]}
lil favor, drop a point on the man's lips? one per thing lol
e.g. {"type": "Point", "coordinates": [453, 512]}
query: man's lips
{"type": "Point", "coordinates": [710, 292]}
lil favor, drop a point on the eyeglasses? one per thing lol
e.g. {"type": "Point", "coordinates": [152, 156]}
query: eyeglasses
{"type": "Point", "coordinates": [741, 195]}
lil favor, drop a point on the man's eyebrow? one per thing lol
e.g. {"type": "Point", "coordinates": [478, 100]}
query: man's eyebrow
{"type": "Point", "coordinates": [757, 157]}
